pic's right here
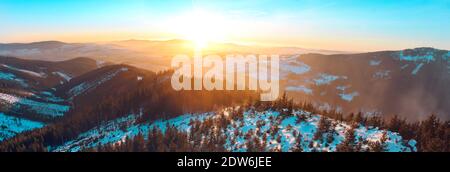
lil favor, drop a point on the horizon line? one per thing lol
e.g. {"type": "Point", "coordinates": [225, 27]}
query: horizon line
{"type": "Point", "coordinates": [225, 42]}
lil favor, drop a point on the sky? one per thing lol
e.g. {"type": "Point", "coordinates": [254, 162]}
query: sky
{"type": "Point", "coordinates": [349, 25]}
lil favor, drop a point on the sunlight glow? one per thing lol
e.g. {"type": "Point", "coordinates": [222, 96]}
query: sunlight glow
{"type": "Point", "coordinates": [200, 27]}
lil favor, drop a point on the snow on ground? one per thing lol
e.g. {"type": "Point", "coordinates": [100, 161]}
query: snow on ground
{"type": "Point", "coordinates": [342, 88]}
{"type": "Point", "coordinates": [325, 79]}
{"type": "Point", "coordinates": [29, 72]}
{"type": "Point", "coordinates": [9, 99]}
{"type": "Point", "coordinates": [63, 75]}
{"type": "Point", "coordinates": [404, 66]}
{"type": "Point", "coordinates": [112, 132]}
{"type": "Point", "coordinates": [295, 66]}
{"type": "Point", "coordinates": [426, 57]}
{"type": "Point", "coordinates": [420, 58]}
{"type": "Point", "coordinates": [83, 87]}
{"type": "Point", "coordinates": [382, 74]}
{"type": "Point", "coordinates": [374, 62]}
{"type": "Point", "coordinates": [417, 69]}
{"type": "Point", "coordinates": [6, 76]}
{"type": "Point", "coordinates": [301, 88]}
{"type": "Point", "coordinates": [20, 104]}
{"type": "Point", "coordinates": [10, 126]}
{"type": "Point", "coordinates": [48, 96]}
{"type": "Point", "coordinates": [11, 77]}
{"type": "Point", "coordinates": [324, 106]}
{"type": "Point", "coordinates": [100, 63]}
{"type": "Point", "coordinates": [256, 124]}
{"type": "Point", "coordinates": [348, 97]}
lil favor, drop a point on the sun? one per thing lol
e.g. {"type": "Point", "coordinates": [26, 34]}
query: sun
{"type": "Point", "coordinates": [199, 30]}
{"type": "Point", "coordinates": [201, 27]}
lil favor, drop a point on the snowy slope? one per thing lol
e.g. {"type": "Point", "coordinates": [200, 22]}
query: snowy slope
{"type": "Point", "coordinates": [10, 126]}
{"type": "Point", "coordinates": [384, 82]}
{"type": "Point", "coordinates": [6, 76]}
{"type": "Point", "coordinates": [41, 75]}
{"type": "Point", "coordinates": [22, 105]}
{"type": "Point", "coordinates": [257, 124]}
{"type": "Point", "coordinates": [89, 85]}
{"type": "Point", "coordinates": [28, 72]}
{"type": "Point", "coordinates": [63, 75]}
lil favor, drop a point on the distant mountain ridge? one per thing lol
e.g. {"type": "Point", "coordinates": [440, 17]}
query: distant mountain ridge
{"type": "Point", "coordinates": [43, 44]}
{"type": "Point", "coordinates": [146, 54]}
{"type": "Point", "coordinates": [411, 83]}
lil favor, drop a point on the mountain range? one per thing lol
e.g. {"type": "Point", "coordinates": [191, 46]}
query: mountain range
{"type": "Point", "coordinates": [145, 54]}
{"type": "Point", "coordinates": [409, 83]}
{"type": "Point", "coordinates": [81, 103]}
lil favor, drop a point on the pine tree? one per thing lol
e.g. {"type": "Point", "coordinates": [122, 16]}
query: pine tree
{"type": "Point", "coordinates": [348, 145]}
{"type": "Point", "coordinates": [379, 146]}
{"type": "Point", "coordinates": [298, 144]}
{"type": "Point", "coordinates": [322, 129]}
{"type": "Point", "coordinates": [139, 143]}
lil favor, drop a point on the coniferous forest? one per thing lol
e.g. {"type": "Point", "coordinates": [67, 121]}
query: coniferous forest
{"type": "Point", "coordinates": [225, 76]}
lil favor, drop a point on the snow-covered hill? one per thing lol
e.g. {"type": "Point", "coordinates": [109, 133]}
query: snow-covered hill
{"type": "Point", "coordinates": [275, 131]}
{"type": "Point", "coordinates": [27, 92]}
{"type": "Point", "coordinates": [41, 75]}
{"type": "Point", "coordinates": [21, 105]}
{"type": "Point", "coordinates": [10, 126]}
{"type": "Point", "coordinates": [85, 86]}
{"type": "Point", "coordinates": [410, 83]}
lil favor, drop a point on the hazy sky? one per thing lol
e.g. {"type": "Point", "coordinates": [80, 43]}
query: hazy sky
{"type": "Point", "coordinates": [356, 25]}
